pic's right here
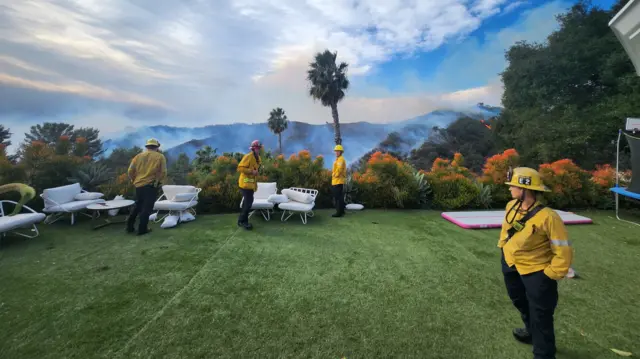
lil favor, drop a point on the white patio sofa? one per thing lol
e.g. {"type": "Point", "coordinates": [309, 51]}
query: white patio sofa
{"type": "Point", "coordinates": [265, 198]}
{"type": "Point", "coordinates": [69, 199]}
{"type": "Point", "coordinates": [12, 224]}
{"type": "Point", "coordinates": [301, 201]}
{"type": "Point", "coordinates": [176, 200]}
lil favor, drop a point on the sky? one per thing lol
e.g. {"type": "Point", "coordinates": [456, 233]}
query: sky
{"type": "Point", "coordinates": [121, 64]}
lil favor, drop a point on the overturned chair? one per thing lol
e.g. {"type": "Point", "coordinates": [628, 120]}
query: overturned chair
{"type": "Point", "coordinates": [67, 200]}
{"type": "Point", "coordinates": [179, 202]}
{"type": "Point", "coordinates": [13, 224]}
{"type": "Point", "coordinates": [301, 201]}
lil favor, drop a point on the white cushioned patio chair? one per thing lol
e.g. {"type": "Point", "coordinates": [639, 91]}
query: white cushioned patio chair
{"type": "Point", "coordinates": [13, 224]}
{"type": "Point", "coordinates": [68, 200]}
{"type": "Point", "coordinates": [176, 200]}
{"type": "Point", "coordinates": [301, 201]}
{"type": "Point", "coordinates": [263, 199]}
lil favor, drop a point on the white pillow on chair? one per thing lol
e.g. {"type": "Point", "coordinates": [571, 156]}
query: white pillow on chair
{"type": "Point", "coordinates": [88, 196]}
{"type": "Point", "coordinates": [298, 196]}
{"type": "Point", "coordinates": [183, 197]}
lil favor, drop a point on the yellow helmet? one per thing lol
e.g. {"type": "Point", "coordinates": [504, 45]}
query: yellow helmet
{"type": "Point", "coordinates": [338, 148]}
{"type": "Point", "coordinates": [525, 177]}
{"type": "Point", "coordinates": [152, 142]}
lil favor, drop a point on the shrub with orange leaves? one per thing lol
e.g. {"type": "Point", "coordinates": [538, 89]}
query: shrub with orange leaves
{"type": "Point", "coordinates": [453, 185]}
{"type": "Point", "coordinates": [571, 186]}
{"type": "Point", "coordinates": [385, 182]}
{"type": "Point", "coordinates": [494, 174]}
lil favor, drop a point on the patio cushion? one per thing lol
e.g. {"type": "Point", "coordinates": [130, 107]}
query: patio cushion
{"type": "Point", "coordinates": [166, 205]}
{"type": "Point", "coordinates": [72, 206]}
{"type": "Point", "coordinates": [262, 204]}
{"type": "Point", "coordinates": [87, 196]}
{"type": "Point", "coordinates": [265, 189]}
{"type": "Point", "coordinates": [297, 206]}
{"type": "Point", "coordinates": [278, 198]}
{"type": "Point", "coordinates": [61, 195]}
{"type": "Point", "coordinates": [354, 207]}
{"type": "Point", "coordinates": [184, 197]}
{"type": "Point", "coordinates": [170, 191]}
{"type": "Point", "coordinates": [298, 196]}
{"type": "Point", "coordinates": [8, 223]}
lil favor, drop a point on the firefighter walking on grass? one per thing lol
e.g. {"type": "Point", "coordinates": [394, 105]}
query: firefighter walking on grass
{"type": "Point", "coordinates": [248, 168]}
{"type": "Point", "coordinates": [338, 179]}
{"type": "Point", "coordinates": [147, 171]}
{"type": "Point", "coordinates": [536, 253]}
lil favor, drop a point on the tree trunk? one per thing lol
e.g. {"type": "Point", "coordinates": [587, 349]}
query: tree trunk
{"type": "Point", "coordinates": [280, 142]}
{"type": "Point", "coordinates": [336, 123]}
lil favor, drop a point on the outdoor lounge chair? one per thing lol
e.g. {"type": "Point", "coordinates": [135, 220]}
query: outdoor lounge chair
{"type": "Point", "coordinates": [69, 199]}
{"type": "Point", "coordinates": [177, 200]}
{"type": "Point", "coordinates": [11, 224]}
{"type": "Point", "coordinates": [261, 199]}
{"type": "Point", "coordinates": [301, 201]}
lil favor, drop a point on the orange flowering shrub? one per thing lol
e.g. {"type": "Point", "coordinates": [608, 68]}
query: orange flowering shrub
{"type": "Point", "coordinates": [570, 185]}
{"type": "Point", "coordinates": [120, 186]}
{"type": "Point", "coordinates": [494, 173]}
{"type": "Point", "coordinates": [385, 182]}
{"type": "Point", "coordinates": [453, 185]}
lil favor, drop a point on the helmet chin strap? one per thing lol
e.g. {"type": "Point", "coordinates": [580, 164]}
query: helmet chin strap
{"type": "Point", "coordinates": [517, 205]}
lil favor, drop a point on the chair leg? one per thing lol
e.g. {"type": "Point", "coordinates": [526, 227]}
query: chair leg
{"type": "Point", "coordinates": [73, 218]}
{"type": "Point", "coordinates": [618, 213]}
{"type": "Point", "coordinates": [33, 228]}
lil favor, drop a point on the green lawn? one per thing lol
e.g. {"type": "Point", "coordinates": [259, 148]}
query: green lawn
{"type": "Point", "coordinates": [371, 285]}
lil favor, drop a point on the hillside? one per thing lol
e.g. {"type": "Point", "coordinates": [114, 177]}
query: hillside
{"type": "Point", "coordinates": [358, 138]}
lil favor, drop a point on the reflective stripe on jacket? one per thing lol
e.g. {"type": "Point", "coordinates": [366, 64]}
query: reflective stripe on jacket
{"type": "Point", "coordinates": [543, 244]}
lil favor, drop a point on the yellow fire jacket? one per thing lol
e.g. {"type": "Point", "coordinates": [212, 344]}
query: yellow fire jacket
{"type": "Point", "coordinates": [248, 163]}
{"type": "Point", "coordinates": [148, 168]}
{"type": "Point", "coordinates": [543, 244]}
{"type": "Point", "coordinates": [339, 173]}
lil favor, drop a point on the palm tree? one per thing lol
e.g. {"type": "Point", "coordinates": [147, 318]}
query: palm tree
{"type": "Point", "coordinates": [328, 84]}
{"type": "Point", "coordinates": [278, 123]}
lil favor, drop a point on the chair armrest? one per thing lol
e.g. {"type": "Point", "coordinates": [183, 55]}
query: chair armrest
{"type": "Point", "coordinates": [46, 201]}
{"type": "Point", "coordinates": [2, 202]}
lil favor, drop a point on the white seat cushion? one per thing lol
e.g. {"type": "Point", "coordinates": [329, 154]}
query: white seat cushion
{"type": "Point", "coordinates": [278, 198]}
{"type": "Point", "coordinates": [170, 191]}
{"type": "Point", "coordinates": [184, 197]}
{"type": "Point", "coordinates": [262, 204]}
{"type": "Point", "coordinates": [354, 207]}
{"type": "Point", "coordinates": [265, 189]}
{"type": "Point", "coordinates": [61, 195]}
{"type": "Point", "coordinates": [298, 196]}
{"type": "Point", "coordinates": [72, 206]}
{"type": "Point", "coordinates": [8, 223]}
{"type": "Point", "coordinates": [87, 196]}
{"type": "Point", "coordinates": [297, 206]}
{"type": "Point", "coordinates": [166, 205]}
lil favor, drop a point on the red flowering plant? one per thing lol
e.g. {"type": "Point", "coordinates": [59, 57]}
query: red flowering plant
{"type": "Point", "coordinates": [494, 174]}
{"type": "Point", "coordinates": [452, 184]}
{"type": "Point", "coordinates": [571, 186]}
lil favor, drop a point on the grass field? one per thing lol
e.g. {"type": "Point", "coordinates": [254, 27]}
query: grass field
{"type": "Point", "coordinates": [371, 285]}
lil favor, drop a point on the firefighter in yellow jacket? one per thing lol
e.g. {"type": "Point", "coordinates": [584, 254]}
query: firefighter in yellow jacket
{"type": "Point", "coordinates": [248, 168]}
{"type": "Point", "coordinates": [146, 172]}
{"type": "Point", "coordinates": [338, 179]}
{"type": "Point", "coordinates": [536, 253]}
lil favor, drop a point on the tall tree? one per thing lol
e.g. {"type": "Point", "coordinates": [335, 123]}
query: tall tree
{"type": "Point", "coordinates": [179, 169]}
{"type": "Point", "coordinates": [278, 123]}
{"type": "Point", "coordinates": [204, 159]}
{"type": "Point", "coordinates": [328, 84]}
{"type": "Point", "coordinates": [5, 135]}
{"type": "Point", "coordinates": [50, 133]}
{"type": "Point", "coordinates": [568, 97]}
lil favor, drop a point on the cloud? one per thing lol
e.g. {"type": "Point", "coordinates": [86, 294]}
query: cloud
{"type": "Point", "coordinates": [200, 62]}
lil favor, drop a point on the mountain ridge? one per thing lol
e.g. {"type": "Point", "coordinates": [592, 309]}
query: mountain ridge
{"type": "Point", "coordinates": [358, 137]}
